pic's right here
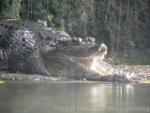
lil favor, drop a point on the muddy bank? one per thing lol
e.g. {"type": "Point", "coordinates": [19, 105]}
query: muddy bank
{"type": "Point", "coordinates": [141, 70]}
{"type": "Point", "coordinates": [137, 69]}
{"type": "Point", "coordinates": [21, 77]}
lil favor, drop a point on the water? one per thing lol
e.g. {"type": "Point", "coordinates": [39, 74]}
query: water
{"type": "Point", "coordinates": [72, 97]}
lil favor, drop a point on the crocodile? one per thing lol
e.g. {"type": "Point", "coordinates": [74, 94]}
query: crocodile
{"type": "Point", "coordinates": [29, 47]}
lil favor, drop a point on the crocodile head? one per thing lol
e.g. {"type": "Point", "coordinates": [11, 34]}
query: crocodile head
{"type": "Point", "coordinates": [72, 57]}
{"type": "Point", "coordinates": [74, 61]}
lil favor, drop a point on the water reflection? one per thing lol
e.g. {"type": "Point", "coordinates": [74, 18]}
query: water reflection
{"type": "Point", "coordinates": [129, 90]}
{"type": "Point", "coordinates": [72, 98]}
{"type": "Point", "coordinates": [94, 92]}
{"type": "Point", "coordinates": [101, 95]}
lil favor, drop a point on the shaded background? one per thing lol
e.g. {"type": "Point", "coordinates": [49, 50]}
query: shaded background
{"type": "Point", "coordinates": [124, 25]}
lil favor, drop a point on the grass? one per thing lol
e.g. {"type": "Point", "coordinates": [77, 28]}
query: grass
{"type": "Point", "coordinates": [145, 82]}
{"type": "Point", "coordinates": [2, 82]}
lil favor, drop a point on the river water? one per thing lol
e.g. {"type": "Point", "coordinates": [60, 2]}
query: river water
{"type": "Point", "coordinates": [74, 97]}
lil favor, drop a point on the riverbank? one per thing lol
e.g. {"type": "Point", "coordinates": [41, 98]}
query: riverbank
{"type": "Point", "coordinates": [26, 77]}
{"type": "Point", "coordinates": [141, 70]}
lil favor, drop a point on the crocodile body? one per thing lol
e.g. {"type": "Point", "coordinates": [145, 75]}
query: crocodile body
{"type": "Point", "coordinates": [31, 48]}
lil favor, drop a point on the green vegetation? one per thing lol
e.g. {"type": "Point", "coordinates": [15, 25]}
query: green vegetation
{"type": "Point", "coordinates": [2, 82]}
{"type": "Point", "coordinates": [121, 25]}
{"type": "Point", "coordinates": [9, 9]}
{"type": "Point", "coordinates": [75, 17]}
{"type": "Point", "coordinates": [140, 60]}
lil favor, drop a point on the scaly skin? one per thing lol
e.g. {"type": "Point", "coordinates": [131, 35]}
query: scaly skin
{"type": "Point", "coordinates": [30, 48]}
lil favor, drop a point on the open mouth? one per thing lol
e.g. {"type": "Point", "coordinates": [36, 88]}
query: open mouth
{"type": "Point", "coordinates": [92, 62]}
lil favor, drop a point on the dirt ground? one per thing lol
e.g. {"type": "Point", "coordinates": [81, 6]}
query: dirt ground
{"type": "Point", "coordinates": [137, 69]}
